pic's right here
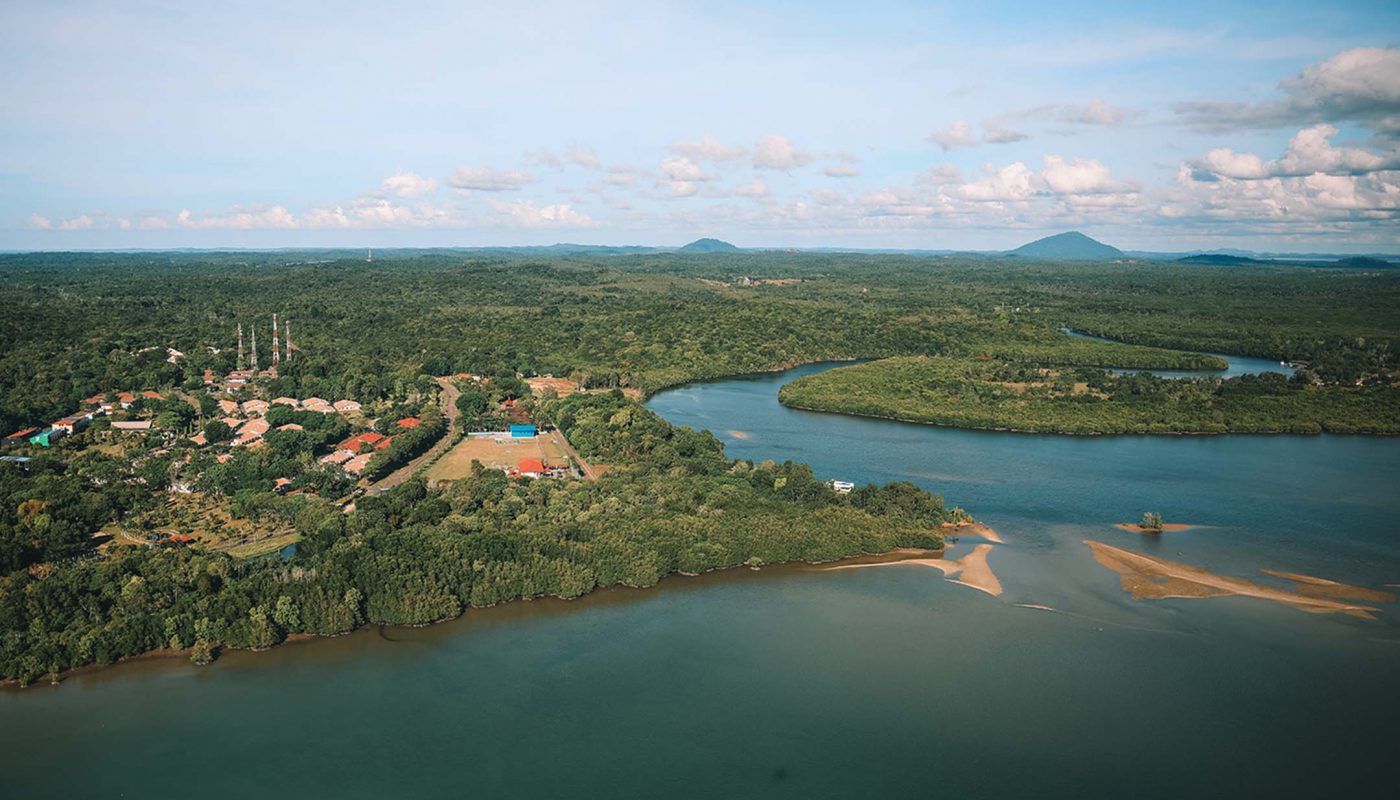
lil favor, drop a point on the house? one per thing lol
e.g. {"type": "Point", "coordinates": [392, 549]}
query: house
{"type": "Point", "coordinates": [255, 407]}
{"type": "Point", "coordinates": [409, 423]}
{"type": "Point", "coordinates": [357, 464]}
{"type": "Point", "coordinates": [290, 426]}
{"type": "Point", "coordinates": [199, 440]}
{"type": "Point", "coordinates": [358, 441]}
{"type": "Point", "coordinates": [290, 402]}
{"type": "Point", "coordinates": [282, 485]}
{"type": "Point", "coordinates": [73, 424]}
{"type": "Point", "coordinates": [318, 405]}
{"type": "Point", "coordinates": [125, 399]}
{"type": "Point", "coordinates": [232, 422]}
{"type": "Point", "coordinates": [150, 395]}
{"type": "Point", "coordinates": [347, 406]}
{"type": "Point", "coordinates": [229, 407]}
{"type": "Point", "coordinates": [19, 436]}
{"type": "Point", "coordinates": [842, 487]}
{"type": "Point", "coordinates": [523, 431]}
{"type": "Point", "coordinates": [95, 400]}
{"type": "Point", "coordinates": [531, 468]}
{"type": "Point", "coordinates": [134, 425]}
{"type": "Point", "coordinates": [254, 428]}
{"type": "Point", "coordinates": [384, 443]}
{"type": "Point", "coordinates": [338, 457]}
{"type": "Point", "coordinates": [47, 437]}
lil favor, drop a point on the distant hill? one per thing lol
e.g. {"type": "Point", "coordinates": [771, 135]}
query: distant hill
{"type": "Point", "coordinates": [709, 246]}
{"type": "Point", "coordinates": [1071, 246]}
{"type": "Point", "coordinates": [1351, 262]}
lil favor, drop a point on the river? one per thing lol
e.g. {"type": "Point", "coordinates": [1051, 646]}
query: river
{"type": "Point", "coordinates": [799, 682]}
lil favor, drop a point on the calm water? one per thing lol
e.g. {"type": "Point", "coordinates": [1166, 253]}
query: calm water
{"type": "Point", "coordinates": [800, 683]}
{"type": "Point", "coordinates": [1236, 365]}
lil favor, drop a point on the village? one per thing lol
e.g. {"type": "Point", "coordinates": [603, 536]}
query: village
{"type": "Point", "coordinates": [304, 446]}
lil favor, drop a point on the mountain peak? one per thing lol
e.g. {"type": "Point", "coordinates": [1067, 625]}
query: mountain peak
{"type": "Point", "coordinates": [709, 246]}
{"type": "Point", "coordinates": [1068, 246]}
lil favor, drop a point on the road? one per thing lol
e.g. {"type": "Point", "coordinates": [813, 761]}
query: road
{"type": "Point", "coordinates": [588, 471]}
{"type": "Point", "coordinates": [448, 400]}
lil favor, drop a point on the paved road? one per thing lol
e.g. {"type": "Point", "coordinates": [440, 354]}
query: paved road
{"type": "Point", "coordinates": [448, 399]}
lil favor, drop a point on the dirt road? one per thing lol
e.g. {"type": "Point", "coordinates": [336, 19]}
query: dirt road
{"type": "Point", "coordinates": [448, 400]}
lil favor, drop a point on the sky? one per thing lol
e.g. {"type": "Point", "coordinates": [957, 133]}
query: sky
{"type": "Point", "coordinates": [1267, 126]}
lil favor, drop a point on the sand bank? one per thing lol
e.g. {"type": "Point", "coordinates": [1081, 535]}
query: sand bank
{"type": "Point", "coordinates": [1322, 587]}
{"type": "Point", "coordinates": [972, 529]}
{"type": "Point", "coordinates": [970, 570]}
{"type": "Point", "coordinates": [738, 435]}
{"type": "Point", "coordinates": [1149, 578]}
{"type": "Point", "coordinates": [1136, 528]}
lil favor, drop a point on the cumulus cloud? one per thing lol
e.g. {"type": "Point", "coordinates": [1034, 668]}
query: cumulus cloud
{"type": "Point", "coordinates": [682, 169]}
{"type": "Point", "coordinates": [619, 179]}
{"type": "Point", "coordinates": [708, 148]}
{"type": "Point", "coordinates": [485, 179]}
{"type": "Point", "coordinates": [81, 222]}
{"type": "Point", "coordinates": [1060, 177]}
{"type": "Point", "coordinates": [960, 134]}
{"type": "Point", "coordinates": [40, 222]}
{"type": "Point", "coordinates": [1310, 152]}
{"type": "Point", "coordinates": [840, 171]}
{"type": "Point", "coordinates": [240, 218]}
{"type": "Point", "coordinates": [1360, 85]}
{"type": "Point", "coordinates": [525, 214]}
{"type": "Point", "coordinates": [407, 184]}
{"type": "Point", "coordinates": [777, 152]}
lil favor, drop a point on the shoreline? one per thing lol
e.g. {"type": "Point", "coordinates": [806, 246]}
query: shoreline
{"type": "Point", "coordinates": [520, 605]}
{"type": "Point", "coordinates": [1085, 434]}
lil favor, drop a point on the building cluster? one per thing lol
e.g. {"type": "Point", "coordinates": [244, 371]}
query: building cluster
{"type": "Point", "coordinates": [246, 368]}
{"type": "Point", "coordinates": [246, 419]}
{"type": "Point", "coordinates": [93, 407]}
{"type": "Point", "coordinates": [354, 454]}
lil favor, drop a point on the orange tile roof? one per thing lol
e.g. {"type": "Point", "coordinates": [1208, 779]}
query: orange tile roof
{"type": "Point", "coordinates": [410, 422]}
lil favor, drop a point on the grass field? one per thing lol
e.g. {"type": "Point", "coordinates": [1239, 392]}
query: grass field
{"type": "Point", "coordinates": [495, 453]}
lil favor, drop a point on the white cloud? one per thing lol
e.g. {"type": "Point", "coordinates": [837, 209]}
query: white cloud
{"type": "Point", "coordinates": [840, 171]}
{"type": "Point", "coordinates": [940, 174]}
{"type": "Point", "coordinates": [1015, 181]}
{"type": "Point", "coordinates": [583, 157]}
{"type": "Point", "coordinates": [1310, 152]}
{"type": "Point", "coordinates": [959, 134]}
{"type": "Point", "coordinates": [81, 222]}
{"type": "Point", "coordinates": [1096, 112]}
{"type": "Point", "coordinates": [755, 188]}
{"type": "Point", "coordinates": [1078, 177]}
{"type": "Point", "coordinates": [619, 179]}
{"type": "Point", "coordinates": [240, 218]}
{"type": "Point", "coordinates": [777, 152]}
{"type": "Point", "coordinates": [41, 222]}
{"type": "Point", "coordinates": [708, 148]}
{"type": "Point", "coordinates": [485, 179]}
{"type": "Point", "coordinates": [1360, 85]}
{"type": "Point", "coordinates": [408, 184]}
{"type": "Point", "coordinates": [682, 169]}
{"type": "Point", "coordinates": [525, 214]}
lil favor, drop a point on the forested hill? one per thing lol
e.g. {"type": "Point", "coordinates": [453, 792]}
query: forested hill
{"type": "Point", "coordinates": [1070, 246]}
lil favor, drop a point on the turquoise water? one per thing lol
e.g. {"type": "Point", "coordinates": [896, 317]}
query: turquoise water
{"type": "Point", "coordinates": [797, 682]}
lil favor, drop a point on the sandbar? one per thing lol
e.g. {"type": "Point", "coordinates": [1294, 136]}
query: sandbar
{"type": "Point", "coordinates": [1136, 528]}
{"type": "Point", "coordinates": [971, 570]}
{"type": "Point", "coordinates": [1322, 587]}
{"type": "Point", "coordinates": [738, 434]}
{"type": "Point", "coordinates": [973, 529]}
{"type": "Point", "coordinates": [1149, 578]}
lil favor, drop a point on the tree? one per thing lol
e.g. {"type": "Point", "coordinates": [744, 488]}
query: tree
{"type": "Point", "coordinates": [1151, 521]}
{"type": "Point", "coordinates": [217, 431]}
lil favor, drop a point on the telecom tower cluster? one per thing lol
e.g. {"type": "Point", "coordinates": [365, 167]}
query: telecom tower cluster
{"type": "Point", "coordinates": [285, 338]}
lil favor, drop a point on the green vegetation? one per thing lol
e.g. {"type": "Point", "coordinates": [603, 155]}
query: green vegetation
{"type": "Point", "coordinates": [1000, 395]}
{"type": "Point", "coordinates": [412, 556]}
{"type": "Point", "coordinates": [77, 325]}
{"type": "Point", "coordinates": [1151, 521]}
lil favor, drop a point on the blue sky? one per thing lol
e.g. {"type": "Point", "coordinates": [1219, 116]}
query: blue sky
{"type": "Point", "coordinates": [940, 125]}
